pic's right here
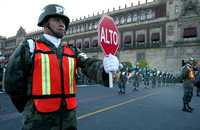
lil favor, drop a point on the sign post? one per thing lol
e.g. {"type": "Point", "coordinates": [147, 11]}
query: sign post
{"type": "Point", "coordinates": [108, 38]}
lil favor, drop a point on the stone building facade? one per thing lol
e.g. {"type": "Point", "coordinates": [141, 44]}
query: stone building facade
{"type": "Point", "coordinates": [163, 32]}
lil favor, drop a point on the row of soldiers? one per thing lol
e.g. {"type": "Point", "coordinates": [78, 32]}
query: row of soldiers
{"type": "Point", "coordinates": [145, 76]}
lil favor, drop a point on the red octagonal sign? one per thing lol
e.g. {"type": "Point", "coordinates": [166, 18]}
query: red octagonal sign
{"type": "Point", "coordinates": [108, 35]}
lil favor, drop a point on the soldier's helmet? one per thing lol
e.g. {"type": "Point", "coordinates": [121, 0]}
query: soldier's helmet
{"type": "Point", "coordinates": [191, 61]}
{"type": "Point", "coordinates": [53, 10]}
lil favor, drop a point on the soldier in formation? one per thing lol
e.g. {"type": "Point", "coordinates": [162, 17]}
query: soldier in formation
{"type": "Point", "coordinates": [123, 78]}
{"type": "Point", "coordinates": [146, 77]}
{"type": "Point", "coordinates": [153, 77]}
{"type": "Point", "coordinates": [136, 78]}
{"type": "Point", "coordinates": [159, 75]}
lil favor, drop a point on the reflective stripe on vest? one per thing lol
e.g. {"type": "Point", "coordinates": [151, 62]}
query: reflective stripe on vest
{"type": "Point", "coordinates": [46, 85]}
{"type": "Point", "coordinates": [71, 76]}
{"type": "Point", "coordinates": [69, 69]}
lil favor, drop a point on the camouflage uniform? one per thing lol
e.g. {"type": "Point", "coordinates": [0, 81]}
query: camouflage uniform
{"type": "Point", "coordinates": [18, 84]}
{"type": "Point", "coordinates": [146, 76]}
{"type": "Point", "coordinates": [136, 79]}
{"type": "Point", "coordinates": [122, 81]}
{"type": "Point", "coordinates": [153, 78]}
{"type": "Point", "coordinates": [164, 79]}
{"type": "Point", "coordinates": [188, 87]}
{"type": "Point", "coordinates": [160, 79]}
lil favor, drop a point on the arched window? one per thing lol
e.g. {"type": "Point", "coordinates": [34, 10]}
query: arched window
{"type": "Point", "coordinates": [82, 28]}
{"type": "Point", "coordinates": [86, 44]}
{"type": "Point", "coordinates": [129, 18]}
{"type": "Point", "coordinates": [90, 26]}
{"type": "Point", "coordinates": [78, 28]}
{"type": "Point", "coordinates": [135, 17]}
{"type": "Point", "coordinates": [122, 20]}
{"type": "Point", "coordinates": [78, 43]}
{"type": "Point", "coordinates": [150, 14]}
{"type": "Point", "coordinates": [86, 27]}
{"type": "Point", "coordinates": [143, 15]}
{"type": "Point", "coordinates": [95, 25]}
{"type": "Point", "coordinates": [116, 20]}
{"type": "Point", "coordinates": [74, 29]}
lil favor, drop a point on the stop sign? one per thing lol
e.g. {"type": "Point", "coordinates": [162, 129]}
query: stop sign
{"type": "Point", "coordinates": [108, 35]}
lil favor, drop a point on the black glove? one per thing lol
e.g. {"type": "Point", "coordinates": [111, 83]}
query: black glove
{"type": "Point", "coordinates": [19, 102]}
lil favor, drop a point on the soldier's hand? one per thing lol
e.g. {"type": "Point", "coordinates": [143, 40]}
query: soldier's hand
{"type": "Point", "coordinates": [110, 63]}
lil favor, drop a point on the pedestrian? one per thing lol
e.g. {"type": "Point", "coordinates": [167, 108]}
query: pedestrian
{"type": "Point", "coordinates": [41, 75]}
{"type": "Point", "coordinates": [197, 79]}
{"type": "Point", "coordinates": [187, 74]}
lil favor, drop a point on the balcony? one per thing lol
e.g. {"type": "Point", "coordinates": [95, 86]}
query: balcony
{"type": "Point", "coordinates": [195, 42]}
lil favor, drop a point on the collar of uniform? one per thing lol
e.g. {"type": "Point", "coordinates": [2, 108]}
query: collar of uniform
{"type": "Point", "coordinates": [52, 39]}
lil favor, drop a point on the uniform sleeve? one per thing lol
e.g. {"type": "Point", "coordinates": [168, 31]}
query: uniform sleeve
{"type": "Point", "coordinates": [93, 69]}
{"type": "Point", "coordinates": [184, 73]}
{"type": "Point", "coordinates": [15, 80]}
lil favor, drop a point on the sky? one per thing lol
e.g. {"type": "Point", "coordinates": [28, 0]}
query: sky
{"type": "Point", "coordinates": [24, 13]}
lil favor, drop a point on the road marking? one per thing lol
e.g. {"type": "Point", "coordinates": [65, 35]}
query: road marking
{"type": "Point", "coordinates": [115, 106]}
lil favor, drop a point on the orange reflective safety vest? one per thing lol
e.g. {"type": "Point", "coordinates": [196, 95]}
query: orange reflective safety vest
{"type": "Point", "coordinates": [53, 83]}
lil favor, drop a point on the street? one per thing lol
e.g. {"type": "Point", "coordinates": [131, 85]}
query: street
{"type": "Point", "coordinates": [103, 108]}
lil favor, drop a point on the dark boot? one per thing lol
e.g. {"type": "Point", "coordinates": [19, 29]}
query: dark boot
{"type": "Point", "coordinates": [190, 108]}
{"type": "Point", "coordinates": [185, 108]}
{"type": "Point", "coordinates": [120, 92]}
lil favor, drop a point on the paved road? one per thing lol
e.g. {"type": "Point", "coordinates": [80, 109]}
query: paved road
{"type": "Point", "coordinates": [102, 108]}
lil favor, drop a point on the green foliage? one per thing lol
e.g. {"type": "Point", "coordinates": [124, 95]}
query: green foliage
{"type": "Point", "coordinates": [143, 63]}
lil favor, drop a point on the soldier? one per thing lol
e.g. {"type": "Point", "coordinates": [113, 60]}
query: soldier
{"type": "Point", "coordinates": [164, 79]}
{"type": "Point", "coordinates": [187, 74]}
{"type": "Point", "coordinates": [123, 77]}
{"type": "Point", "coordinates": [167, 79]}
{"type": "Point", "coordinates": [136, 78]}
{"type": "Point", "coordinates": [40, 76]}
{"type": "Point", "coordinates": [146, 76]}
{"type": "Point", "coordinates": [154, 77]}
{"type": "Point", "coordinates": [159, 79]}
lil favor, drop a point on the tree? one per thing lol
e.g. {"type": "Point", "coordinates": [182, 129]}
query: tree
{"type": "Point", "coordinates": [143, 63]}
